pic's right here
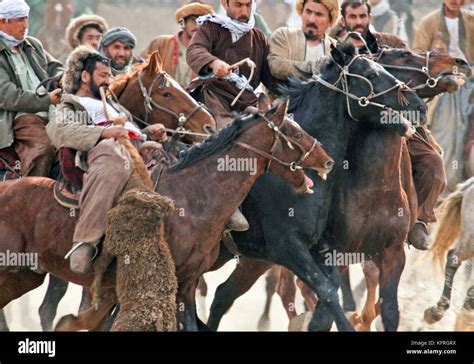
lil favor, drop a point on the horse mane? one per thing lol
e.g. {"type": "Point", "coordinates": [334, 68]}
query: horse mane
{"type": "Point", "coordinates": [216, 143]}
{"type": "Point", "coordinates": [119, 84]}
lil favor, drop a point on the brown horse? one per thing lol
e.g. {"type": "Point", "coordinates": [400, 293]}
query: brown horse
{"type": "Point", "coordinates": [39, 225]}
{"type": "Point", "coordinates": [414, 69]}
{"type": "Point", "coordinates": [152, 96]}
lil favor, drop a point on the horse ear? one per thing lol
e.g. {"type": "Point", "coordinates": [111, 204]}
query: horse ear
{"type": "Point", "coordinates": [264, 103]}
{"type": "Point", "coordinates": [338, 56]}
{"type": "Point", "coordinates": [154, 63]}
{"type": "Point", "coordinates": [372, 43]}
{"type": "Point", "coordinates": [281, 111]}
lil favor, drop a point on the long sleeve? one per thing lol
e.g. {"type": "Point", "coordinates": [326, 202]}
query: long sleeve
{"type": "Point", "coordinates": [198, 55]}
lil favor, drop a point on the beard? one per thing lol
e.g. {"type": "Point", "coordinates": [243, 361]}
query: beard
{"type": "Point", "coordinates": [311, 32]}
{"type": "Point", "coordinates": [95, 88]}
{"type": "Point", "coordinates": [119, 66]}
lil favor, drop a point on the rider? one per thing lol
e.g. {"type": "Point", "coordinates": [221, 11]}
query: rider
{"type": "Point", "coordinates": [118, 44]}
{"type": "Point", "coordinates": [427, 164]}
{"type": "Point", "coordinates": [293, 50]}
{"type": "Point", "coordinates": [221, 41]}
{"type": "Point", "coordinates": [82, 123]}
{"type": "Point", "coordinates": [86, 30]}
{"type": "Point", "coordinates": [23, 114]}
{"type": "Point", "coordinates": [172, 48]}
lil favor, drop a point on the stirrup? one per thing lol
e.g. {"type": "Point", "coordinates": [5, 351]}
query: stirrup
{"type": "Point", "coordinates": [77, 246]}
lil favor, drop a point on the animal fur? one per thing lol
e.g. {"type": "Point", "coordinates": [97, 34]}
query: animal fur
{"type": "Point", "coordinates": [146, 283]}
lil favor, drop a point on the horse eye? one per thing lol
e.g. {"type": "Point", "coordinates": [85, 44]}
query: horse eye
{"type": "Point", "coordinates": [166, 95]}
{"type": "Point", "coordinates": [298, 136]}
{"type": "Point", "coordinates": [372, 76]}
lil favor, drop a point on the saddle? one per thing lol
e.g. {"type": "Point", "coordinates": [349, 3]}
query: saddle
{"type": "Point", "coordinates": [10, 164]}
{"type": "Point", "coordinates": [67, 189]}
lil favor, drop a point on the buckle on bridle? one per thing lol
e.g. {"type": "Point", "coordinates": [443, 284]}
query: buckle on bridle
{"type": "Point", "coordinates": [431, 82]}
{"type": "Point", "coordinates": [364, 102]}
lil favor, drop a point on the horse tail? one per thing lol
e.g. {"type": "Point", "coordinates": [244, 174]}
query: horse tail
{"type": "Point", "coordinates": [449, 225]}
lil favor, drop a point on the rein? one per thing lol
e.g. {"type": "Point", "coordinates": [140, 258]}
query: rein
{"type": "Point", "coordinates": [363, 101]}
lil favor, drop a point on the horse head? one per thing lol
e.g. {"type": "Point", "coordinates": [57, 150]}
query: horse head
{"type": "Point", "coordinates": [372, 94]}
{"type": "Point", "coordinates": [428, 73]}
{"type": "Point", "coordinates": [153, 96]}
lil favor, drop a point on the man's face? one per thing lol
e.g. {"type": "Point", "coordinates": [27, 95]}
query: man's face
{"type": "Point", "coordinates": [190, 26]}
{"type": "Point", "coordinates": [239, 10]}
{"type": "Point", "coordinates": [119, 53]}
{"type": "Point", "coordinates": [454, 5]}
{"type": "Point", "coordinates": [357, 19]}
{"type": "Point", "coordinates": [315, 20]}
{"type": "Point", "coordinates": [17, 28]}
{"type": "Point", "coordinates": [100, 77]}
{"type": "Point", "coordinates": [91, 37]}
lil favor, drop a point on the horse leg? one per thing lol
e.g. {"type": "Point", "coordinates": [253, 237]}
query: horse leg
{"type": "Point", "coordinates": [310, 298]}
{"type": "Point", "coordinates": [47, 311]}
{"type": "Point", "coordinates": [85, 300]}
{"type": "Point", "coordinates": [201, 297]}
{"type": "Point", "coordinates": [465, 318]}
{"type": "Point", "coordinates": [295, 255]}
{"type": "Point", "coordinates": [348, 302]}
{"type": "Point", "coordinates": [435, 313]}
{"type": "Point", "coordinates": [186, 299]}
{"type": "Point", "coordinates": [240, 281]}
{"type": "Point", "coordinates": [3, 322]}
{"type": "Point", "coordinates": [286, 289]}
{"type": "Point", "coordinates": [93, 317]}
{"type": "Point", "coordinates": [322, 319]}
{"type": "Point", "coordinates": [369, 312]}
{"type": "Point", "coordinates": [270, 287]}
{"type": "Point", "coordinates": [15, 285]}
{"type": "Point", "coordinates": [391, 265]}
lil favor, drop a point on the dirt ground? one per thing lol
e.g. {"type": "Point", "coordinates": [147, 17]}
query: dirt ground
{"type": "Point", "coordinates": [420, 287]}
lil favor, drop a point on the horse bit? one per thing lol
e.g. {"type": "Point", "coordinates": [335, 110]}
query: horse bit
{"type": "Point", "coordinates": [294, 166]}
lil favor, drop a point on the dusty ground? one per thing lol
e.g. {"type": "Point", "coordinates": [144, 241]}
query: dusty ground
{"type": "Point", "coordinates": [420, 287]}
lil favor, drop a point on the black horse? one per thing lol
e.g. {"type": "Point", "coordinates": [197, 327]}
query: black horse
{"type": "Point", "coordinates": [287, 229]}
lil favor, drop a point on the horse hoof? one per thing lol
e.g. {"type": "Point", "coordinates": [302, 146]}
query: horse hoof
{"type": "Point", "coordinates": [433, 314]}
{"type": "Point", "coordinates": [354, 318]}
{"type": "Point", "coordinates": [300, 322]}
{"type": "Point", "coordinates": [263, 324]}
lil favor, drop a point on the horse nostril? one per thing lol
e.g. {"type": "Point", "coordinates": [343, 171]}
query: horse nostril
{"type": "Point", "coordinates": [460, 62]}
{"type": "Point", "coordinates": [329, 164]}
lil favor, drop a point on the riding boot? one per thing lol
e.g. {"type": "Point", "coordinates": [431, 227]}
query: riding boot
{"type": "Point", "coordinates": [419, 237]}
{"type": "Point", "coordinates": [237, 222]}
{"type": "Point", "coordinates": [81, 256]}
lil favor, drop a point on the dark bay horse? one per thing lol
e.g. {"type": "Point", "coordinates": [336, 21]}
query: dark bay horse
{"type": "Point", "coordinates": [287, 230]}
{"type": "Point", "coordinates": [408, 67]}
{"type": "Point", "coordinates": [41, 226]}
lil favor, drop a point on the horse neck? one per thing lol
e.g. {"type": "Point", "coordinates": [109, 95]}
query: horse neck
{"type": "Point", "coordinates": [131, 99]}
{"type": "Point", "coordinates": [327, 121]}
{"type": "Point", "coordinates": [374, 156]}
{"type": "Point", "coordinates": [214, 187]}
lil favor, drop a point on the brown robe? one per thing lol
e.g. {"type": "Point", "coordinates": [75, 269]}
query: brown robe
{"type": "Point", "coordinates": [213, 42]}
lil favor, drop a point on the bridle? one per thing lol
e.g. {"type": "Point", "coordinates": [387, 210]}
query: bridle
{"type": "Point", "coordinates": [181, 118]}
{"type": "Point", "coordinates": [280, 137]}
{"type": "Point", "coordinates": [363, 101]}
{"type": "Point", "coordinates": [431, 82]}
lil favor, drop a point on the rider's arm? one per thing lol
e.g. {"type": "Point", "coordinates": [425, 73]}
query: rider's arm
{"type": "Point", "coordinates": [198, 55]}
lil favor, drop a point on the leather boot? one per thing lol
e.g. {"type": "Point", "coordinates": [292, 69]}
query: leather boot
{"type": "Point", "coordinates": [237, 222]}
{"type": "Point", "coordinates": [81, 256]}
{"type": "Point", "coordinates": [419, 237]}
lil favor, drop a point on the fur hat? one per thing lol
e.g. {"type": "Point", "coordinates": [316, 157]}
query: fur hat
{"type": "Point", "coordinates": [331, 5]}
{"type": "Point", "coordinates": [71, 80]}
{"type": "Point", "coordinates": [196, 8]}
{"type": "Point", "coordinates": [118, 33]}
{"type": "Point", "coordinates": [76, 24]}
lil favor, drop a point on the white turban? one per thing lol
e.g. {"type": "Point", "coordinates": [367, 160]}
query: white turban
{"type": "Point", "coordinates": [14, 9]}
